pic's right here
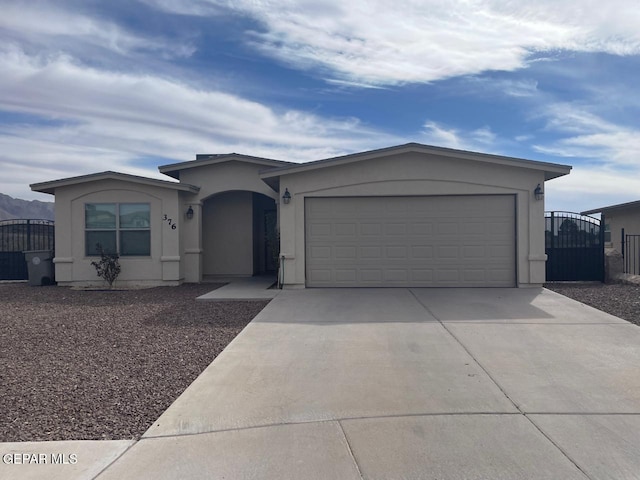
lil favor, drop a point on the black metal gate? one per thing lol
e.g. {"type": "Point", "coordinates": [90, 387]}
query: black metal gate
{"type": "Point", "coordinates": [17, 236]}
{"type": "Point", "coordinates": [631, 253]}
{"type": "Point", "coordinates": [574, 245]}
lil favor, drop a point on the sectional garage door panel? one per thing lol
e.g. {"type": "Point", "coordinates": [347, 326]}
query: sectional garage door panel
{"type": "Point", "coordinates": [439, 241]}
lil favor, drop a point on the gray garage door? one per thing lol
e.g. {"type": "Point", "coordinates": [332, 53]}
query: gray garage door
{"type": "Point", "coordinates": [435, 241]}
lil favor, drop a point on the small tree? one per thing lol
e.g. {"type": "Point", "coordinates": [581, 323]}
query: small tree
{"type": "Point", "coordinates": [568, 226]}
{"type": "Point", "coordinates": [108, 266]}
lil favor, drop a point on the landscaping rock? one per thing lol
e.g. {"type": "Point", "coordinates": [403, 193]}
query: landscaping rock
{"type": "Point", "coordinates": [621, 300]}
{"type": "Point", "coordinates": [84, 365]}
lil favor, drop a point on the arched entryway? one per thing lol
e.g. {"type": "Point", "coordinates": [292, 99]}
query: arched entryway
{"type": "Point", "coordinates": [239, 234]}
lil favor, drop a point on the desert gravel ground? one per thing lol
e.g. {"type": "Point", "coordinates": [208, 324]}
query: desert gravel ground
{"type": "Point", "coordinates": [617, 299]}
{"type": "Point", "coordinates": [80, 365]}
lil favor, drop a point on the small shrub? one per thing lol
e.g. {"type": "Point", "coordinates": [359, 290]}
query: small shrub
{"type": "Point", "coordinates": [108, 266]}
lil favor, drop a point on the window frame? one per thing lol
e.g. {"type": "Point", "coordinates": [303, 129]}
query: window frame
{"type": "Point", "coordinates": [118, 229]}
{"type": "Point", "coordinates": [607, 233]}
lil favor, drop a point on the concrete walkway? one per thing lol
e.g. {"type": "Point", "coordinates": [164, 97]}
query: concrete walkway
{"type": "Point", "coordinates": [243, 288]}
{"type": "Point", "coordinates": [407, 383]}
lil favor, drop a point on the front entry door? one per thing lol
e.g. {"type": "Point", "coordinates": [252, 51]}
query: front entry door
{"type": "Point", "coordinates": [271, 243]}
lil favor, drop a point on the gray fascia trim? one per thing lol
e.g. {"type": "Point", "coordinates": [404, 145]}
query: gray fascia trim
{"type": "Point", "coordinates": [49, 187]}
{"type": "Point", "coordinates": [552, 170]}
{"type": "Point", "coordinates": [611, 207]}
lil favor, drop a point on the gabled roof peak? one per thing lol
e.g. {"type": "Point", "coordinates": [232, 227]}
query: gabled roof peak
{"type": "Point", "coordinates": [50, 187]}
{"type": "Point", "coordinates": [552, 170]}
{"type": "Point", "coordinates": [202, 159]}
{"type": "Point", "coordinates": [203, 156]}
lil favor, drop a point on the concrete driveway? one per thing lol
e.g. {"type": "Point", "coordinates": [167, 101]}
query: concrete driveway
{"type": "Point", "coordinates": [408, 383]}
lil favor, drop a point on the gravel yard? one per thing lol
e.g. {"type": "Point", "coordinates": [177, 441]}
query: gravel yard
{"type": "Point", "coordinates": [104, 364]}
{"type": "Point", "coordinates": [617, 299]}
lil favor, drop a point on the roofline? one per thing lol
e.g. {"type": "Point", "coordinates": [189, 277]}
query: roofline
{"type": "Point", "coordinates": [611, 207]}
{"type": "Point", "coordinates": [552, 170]}
{"type": "Point", "coordinates": [50, 187]}
{"type": "Point", "coordinates": [219, 158]}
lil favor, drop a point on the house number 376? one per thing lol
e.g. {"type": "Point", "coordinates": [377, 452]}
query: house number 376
{"type": "Point", "coordinates": [170, 222]}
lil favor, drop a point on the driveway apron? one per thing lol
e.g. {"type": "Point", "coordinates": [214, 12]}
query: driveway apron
{"type": "Point", "coordinates": [408, 383]}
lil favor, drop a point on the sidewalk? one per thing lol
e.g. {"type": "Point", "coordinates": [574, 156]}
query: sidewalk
{"type": "Point", "coordinates": [65, 460]}
{"type": "Point", "coordinates": [249, 288]}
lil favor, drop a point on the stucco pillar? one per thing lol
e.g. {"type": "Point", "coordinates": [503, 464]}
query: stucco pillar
{"type": "Point", "coordinates": [172, 222]}
{"type": "Point", "coordinates": [287, 219]}
{"type": "Point", "coordinates": [192, 242]}
{"type": "Point", "coordinates": [63, 255]}
{"type": "Point", "coordinates": [537, 257]}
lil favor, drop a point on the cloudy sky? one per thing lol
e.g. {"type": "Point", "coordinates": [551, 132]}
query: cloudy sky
{"type": "Point", "coordinates": [127, 85]}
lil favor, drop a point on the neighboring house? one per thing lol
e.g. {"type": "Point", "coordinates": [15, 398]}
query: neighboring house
{"type": "Point", "coordinates": [617, 217]}
{"type": "Point", "coordinates": [411, 215]}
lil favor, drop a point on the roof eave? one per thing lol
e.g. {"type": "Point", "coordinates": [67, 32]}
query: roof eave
{"type": "Point", "coordinates": [550, 174]}
{"type": "Point", "coordinates": [51, 186]}
{"type": "Point", "coordinates": [618, 206]}
{"type": "Point", "coordinates": [552, 170]}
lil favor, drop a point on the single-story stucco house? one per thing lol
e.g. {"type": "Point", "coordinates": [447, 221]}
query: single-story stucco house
{"type": "Point", "coordinates": [621, 239]}
{"type": "Point", "coordinates": [617, 217]}
{"type": "Point", "coordinates": [409, 215]}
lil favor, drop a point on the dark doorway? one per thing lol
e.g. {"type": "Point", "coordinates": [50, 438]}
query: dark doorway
{"type": "Point", "coordinates": [265, 238]}
{"type": "Point", "coordinates": [272, 243]}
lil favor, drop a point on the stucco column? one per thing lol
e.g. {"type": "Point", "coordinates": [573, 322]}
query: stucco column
{"type": "Point", "coordinates": [63, 259]}
{"type": "Point", "coordinates": [192, 242]}
{"type": "Point", "coordinates": [287, 219]}
{"type": "Point", "coordinates": [171, 231]}
{"type": "Point", "coordinates": [537, 256]}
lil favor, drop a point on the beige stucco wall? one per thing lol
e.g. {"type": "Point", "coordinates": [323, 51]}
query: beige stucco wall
{"type": "Point", "coordinates": [627, 218]}
{"type": "Point", "coordinates": [215, 179]}
{"type": "Point", "coordinates": [417, 174]}
{"type": "Point", "coordinates": [222, 177]}
{"type": "Point", "coordinates": [227, 234]}
{"type": "Point", "coordinates": [162, 267]}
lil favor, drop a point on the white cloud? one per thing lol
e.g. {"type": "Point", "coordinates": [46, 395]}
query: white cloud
{"type": "Point", "coordinates": [605, 156]}
{"type": "Point", "coordinates": [589, 187]}
{"type": "Point", "coordinates": [375, 42]}
{"type": "Point", "coordinates": [99, 120]}
{"type": "Point", "coordinates": [587, 135]}
{"type": "Point", "coordinates": [524, 138]}
{"type": "Point", "coordinates": [484, 136]}
{"type": "Point", "coordinates": [481, 139]}
{"type": "Point", "coordinates": [608, 168]}
{"type": "Point", "coordinates": [436, 134]}
{"type": "Point", "coordinates": [518, 88]}
{"type": "Point", "coordinates": [50, 26]}
{"type": "Point", "coordinates": [185, 7]}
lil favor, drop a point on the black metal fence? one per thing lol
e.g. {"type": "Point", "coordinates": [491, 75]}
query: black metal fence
{"type": "Point", "coordinates": [631, 253]}
{"type": "Point", "coordinates": [18, 236]}
{"type": "Point", "coordinates": [574, 245]}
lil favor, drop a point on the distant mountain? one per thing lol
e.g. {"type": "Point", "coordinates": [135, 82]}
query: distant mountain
{"type": "Point", "coordinates": [15, 208]}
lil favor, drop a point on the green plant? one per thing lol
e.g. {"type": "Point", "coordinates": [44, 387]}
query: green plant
{"type": "Point", "coordinates": [108, 266]}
